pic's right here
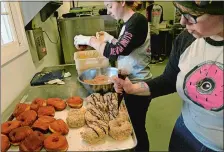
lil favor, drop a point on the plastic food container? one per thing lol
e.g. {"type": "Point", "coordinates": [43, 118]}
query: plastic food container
{"type": "Point", "coordinates": [89, 59]}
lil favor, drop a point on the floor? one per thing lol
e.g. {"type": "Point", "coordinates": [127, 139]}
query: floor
{"type": "Point", "coordinates": [161, 116]}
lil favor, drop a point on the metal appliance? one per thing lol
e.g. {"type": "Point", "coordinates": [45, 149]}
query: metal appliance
{"type": "Point", "coordinates": [36, 44]}
{"type": "Point", "coordinates": [86, 25]}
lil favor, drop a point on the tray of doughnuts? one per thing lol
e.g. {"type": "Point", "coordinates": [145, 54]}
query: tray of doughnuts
{"type": "Point", "coordinates": [49, 120]}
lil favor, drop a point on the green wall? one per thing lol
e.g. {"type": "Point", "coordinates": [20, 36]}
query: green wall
{"type": "Point", "coordinates": [168, 9]}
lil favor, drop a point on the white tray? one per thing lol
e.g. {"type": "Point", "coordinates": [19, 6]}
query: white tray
{"type": "Point", "coordinates": [74, 139]}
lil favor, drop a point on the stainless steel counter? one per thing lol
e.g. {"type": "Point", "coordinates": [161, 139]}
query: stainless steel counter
{"type": "Point", "coordinates": [71, 88]}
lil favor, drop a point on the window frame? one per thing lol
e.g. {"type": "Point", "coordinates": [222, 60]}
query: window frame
{"type": "Point", "coordinates": [11, 50]}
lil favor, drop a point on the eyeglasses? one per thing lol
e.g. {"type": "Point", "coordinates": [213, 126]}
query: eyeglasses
{"type": "Point", "coordinates": [190, 18]}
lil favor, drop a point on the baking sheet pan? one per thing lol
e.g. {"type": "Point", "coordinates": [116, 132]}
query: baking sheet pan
{"type": "Point", "coordinates": [73, 137]}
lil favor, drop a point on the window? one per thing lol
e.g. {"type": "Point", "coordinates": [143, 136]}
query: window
{"type": "Point", "coordinates": [13, 38]}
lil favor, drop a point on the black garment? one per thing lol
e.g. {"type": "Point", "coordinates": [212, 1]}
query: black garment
{"type": "Point", "coordinates": [137, 108]}
{"type": "Point", "coordinates": [182, 140]}
{"type": "Point", "coordinates": [135, 33]}
{"type": "Point", "coordinates": [155, 46]}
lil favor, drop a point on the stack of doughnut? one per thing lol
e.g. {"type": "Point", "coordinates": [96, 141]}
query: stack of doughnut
{"type": "Point", "coordinates": [32, 123]}
{"type": "Point", "coordinates": [96, 119]}
{"type": "Point", "coordinates": [104, 118]}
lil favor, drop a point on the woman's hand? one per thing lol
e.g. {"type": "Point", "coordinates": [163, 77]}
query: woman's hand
{"type": "Point", "coordinates": [81, 40]}
{"type": "Point", "coordinates": [140, 88]}
{"type": "Point", "coordinates": [104, 36]}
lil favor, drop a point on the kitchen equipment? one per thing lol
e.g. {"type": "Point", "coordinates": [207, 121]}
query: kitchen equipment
{"type": "Point", "coordinates": [120, 96]}
{"type": "Point", "coordinates": [85, 25]}
{"type": "Point", "coordinates": [89, 59]}
{"type": "Point", "coordinates": [92, 73]}
{"type": "Point", "coordinates": [82, 11]}
{"type": "Point", "coordinates": [36, 43]}
{"type": "Point", "coordinates": [125, 67]}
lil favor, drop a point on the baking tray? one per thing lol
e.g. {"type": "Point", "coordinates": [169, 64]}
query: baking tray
{"type": "Point", "coordinates": [74, 139]}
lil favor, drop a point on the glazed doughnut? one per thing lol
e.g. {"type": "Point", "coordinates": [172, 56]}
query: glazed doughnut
{"type": "Point", "coordinates": [112, 109]}
{"type": "Point", "coordinates": [123, 115]}
{"type": "Point", "coordinates": [76, 118]}
{"type": "Point", "coordinates": [36, 103]}
{"type": "Point", "coordinates": [93, 133]}
{"type": "Point", "coordinates": [56, 142]}
{"type": "Point", "coordinates": [46, 111]}
{"type": "Point", "coordinates": [5, 144]}
{"type": "Point", "coordinates": [19, 134]}
{"type": "Point", "coordinates": [120, 129]}
{"type": "Point", "coordinates": [97, 101]}
{"type": "Point", "coordinates": [27, 118]}
{"type": "Point", "coordinates": [59, 126]}
{"type": "Point", "coordinates": [57, 103]}
{"type": "Point", "coordinates": [109, 96]}
{"type": "Point", "coordinates": [94, 114]}
{"type": "Point", "coordinates": [75, 102]}
{"type": "Point", "coordinates": [9, 126]}
{"type": "Point", "coordinates": [42, 123]}
{"type": "Point", "coordinates": [33, 142]}
{"type": "Point", "coordinates": [20, 108]}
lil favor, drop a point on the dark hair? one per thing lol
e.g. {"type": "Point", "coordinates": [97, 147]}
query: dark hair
{"type": "Point", "coordinates": [129, 3]}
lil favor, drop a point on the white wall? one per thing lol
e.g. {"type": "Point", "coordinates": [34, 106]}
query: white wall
{"type": "Point", "coordinates": [16, 74]}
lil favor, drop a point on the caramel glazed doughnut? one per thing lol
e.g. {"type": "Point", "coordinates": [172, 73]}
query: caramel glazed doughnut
{"type": "Point", "coordinates": [33, 142]}
{"type": "Point", "coordinates": [5, 144]}
{"type": "Point", "coordinates": [57, 103]}
{"type": "Point", "coordinates": [8, 126]}
{"type": "Point", "coordinates": [76, 118]}
{"type": "Point", "coordinates": [36, 103]}
{"type": "Point", "coordinates": [59, 126]}
{"type": "Point", "coordinates": [19, 134]}
{"type": "Point", "coordinates": [27, 117]}
{"type": "Point", "coordinates": [56, 142]}
{"type": "Point", "coordinates": [20, 108]}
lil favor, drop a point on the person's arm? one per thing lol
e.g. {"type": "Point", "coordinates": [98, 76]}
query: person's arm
{"type": "Point", "coordinates": [166, 82]}
{"type": "Point", "coordinates": [97, 44]}
{"type": "Point", "coordinates": [134, 36]}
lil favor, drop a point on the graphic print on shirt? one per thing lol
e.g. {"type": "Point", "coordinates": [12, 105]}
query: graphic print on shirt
{"type": "Point", "coordinates": [203, 85]}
